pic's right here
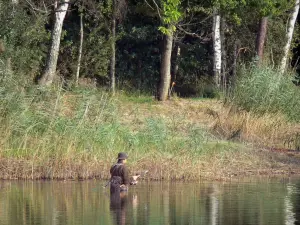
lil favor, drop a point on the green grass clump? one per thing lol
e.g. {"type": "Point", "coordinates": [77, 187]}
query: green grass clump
{"type": "Point", "coordinates": [265, 90]}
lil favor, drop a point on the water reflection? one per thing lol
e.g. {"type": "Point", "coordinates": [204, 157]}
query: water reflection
{"type": "Point", "coordinates": [118, 203]}
{"type": "Point", "coordinates": [256, 202]}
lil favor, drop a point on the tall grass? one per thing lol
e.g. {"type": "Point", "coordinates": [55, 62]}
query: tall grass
{"type": "Point", "coordinates": [54, 133]}
{"type": "Point", "coordinates": [265, 90]}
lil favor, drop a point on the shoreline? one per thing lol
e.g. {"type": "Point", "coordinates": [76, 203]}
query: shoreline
{"type": "Point", "coordinates": [271, 164]}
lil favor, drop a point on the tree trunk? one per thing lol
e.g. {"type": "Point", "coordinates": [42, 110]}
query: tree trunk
{"type": "Point", "coordinates": [261, 37]}
{"type": "Point", "coordinates": [165, 68]}
{"type": "Point", "coordinates": [217, 49]}
{"type": "Point", "coordinates": [224, 58]}
{"type": "Point", "coordinates": [50, 69]}
{"type": "Point", "coordinates": [80, 50]}
{"type": "Point", "coordinates": [237, 46]}
{"type": "Point", "coordinates": [176, 63]}
{"type": "Point", "coordinates": [289, 36]}
{"type": "Point", "coordinates": [113, 51]}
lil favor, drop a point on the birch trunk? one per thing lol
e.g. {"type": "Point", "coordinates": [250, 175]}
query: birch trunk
{"type": "Point", "coordinates": [80, 50]}
{"type": "Point", "coordinates": [217, 49]}
{"type": "Point", "coordinates": [289, 36]}
{"type": "Point", "coordinates": [113, 51]}
{"type": "Point", "coordinates": [165, 68]}
{"type": "Point", "coordinates": [224, 58]}
{"type": "Point", "coordinates": [261, 37]}
{"type": "Point", "coordinates": [50, 69]}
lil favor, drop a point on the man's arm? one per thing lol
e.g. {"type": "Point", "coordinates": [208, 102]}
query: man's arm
{"type": "Point", "coordinates": [126, 176]}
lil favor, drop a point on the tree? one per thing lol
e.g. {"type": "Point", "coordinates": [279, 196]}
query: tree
{"type": "Point", "coordinates": [80, 50]}
{"type": "Point", "coordinates": [266, 8]}
{"type": "Point", "coordinates": [261, 37]}
{"type": "Point", "coordinates": [60, 9]}
{"type": "Point", "coordinates": [170, 16]}
{"type": "Point", "coordinates": [118, 12]}
{"type": "Point", "coordinates": [289, 36]}
{"type": "Point", "coordinates": [165, 67]}
{"type": "Point", "coordinates": [217, 48]}
{"type": "Point", "coordinates": [113, 48]}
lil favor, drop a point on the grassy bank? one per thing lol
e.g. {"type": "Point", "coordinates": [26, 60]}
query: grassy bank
{"type": "Point", "coordinates": [59, 134]}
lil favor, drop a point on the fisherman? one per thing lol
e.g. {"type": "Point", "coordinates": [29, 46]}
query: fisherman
{"type": "Point", "coordinates": [119, 180]}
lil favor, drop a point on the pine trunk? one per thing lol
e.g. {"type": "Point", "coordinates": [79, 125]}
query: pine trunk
{"type": "Point", "coordinates": [50, 69]}
{"type": "Point", "coordinates": [289, 36]}
{"type": "Point", "coordinates": [165, 68]}
{"type": "Point", "coordinates": [261, 37]}
{"type": "Point", "coordinates": [217, 50]}
{"type": "Point", "coordinates": [80, 50]}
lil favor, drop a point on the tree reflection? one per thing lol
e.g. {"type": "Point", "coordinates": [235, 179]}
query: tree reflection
{"type": "Point", "coordinates": [35, 203]}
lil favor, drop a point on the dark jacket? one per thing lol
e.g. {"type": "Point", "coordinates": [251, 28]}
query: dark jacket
{"type": "Point", "coordinates": [119, 173]}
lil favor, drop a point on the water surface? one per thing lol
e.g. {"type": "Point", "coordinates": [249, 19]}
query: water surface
{"type": "Point", "coordinates": [259, 201]}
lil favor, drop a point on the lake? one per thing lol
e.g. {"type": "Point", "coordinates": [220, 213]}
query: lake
{"type": "Point", "coordinates": [253, 201]}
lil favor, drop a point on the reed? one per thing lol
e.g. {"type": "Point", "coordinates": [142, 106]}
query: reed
{"type": "Point", "coordinates": [59, 134]}
{"type": "Point", "coordinates": [264, 90]}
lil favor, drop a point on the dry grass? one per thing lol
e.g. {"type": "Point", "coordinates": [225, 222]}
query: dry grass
{"type": "Point", "coordinates": [225, 121]}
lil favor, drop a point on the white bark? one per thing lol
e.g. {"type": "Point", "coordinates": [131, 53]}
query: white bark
{"type": "Point", "coordinates": [289, 36]}
{"type": "Point", "coordinates": [289, 209]}
{"type": "Point", "coordinates": [214, 205]}
{"type": "Point", "coordinates": [50, 69]}
{"type": "Point", "coordinates": [217, 49]}
{"type": "Point", "coordinates": [80, 50]}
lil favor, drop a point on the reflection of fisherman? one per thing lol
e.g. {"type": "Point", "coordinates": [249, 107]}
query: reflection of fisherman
{"type": "Point", "coordinates": [118, 202]}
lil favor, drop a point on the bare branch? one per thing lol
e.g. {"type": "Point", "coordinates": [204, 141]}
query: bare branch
{"type": "Point", "coordinates": [34, 8]}
{"type": "Point", "coordinates": [149, 5]}
{"type": "Point", "coordinates": [157, 8]}
{"type": "Point", "coordinates": [188, 33]}
{"type": "Point", "coordinates": [45, 7]}
{"type": "Point", "coordinates": [203, 39]}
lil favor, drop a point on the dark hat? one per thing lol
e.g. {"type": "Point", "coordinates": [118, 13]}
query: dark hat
{"type": "Point", "coordinates": [122, 155]}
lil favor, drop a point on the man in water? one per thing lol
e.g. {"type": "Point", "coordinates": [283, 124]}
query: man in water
{"type": "Point", "coordinates": [119, 183]}
{"type": "Point", "coordinates": [119, 180]}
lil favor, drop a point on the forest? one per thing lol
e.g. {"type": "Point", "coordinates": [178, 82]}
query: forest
{"type": "Point", "coordinates": [81, 80]}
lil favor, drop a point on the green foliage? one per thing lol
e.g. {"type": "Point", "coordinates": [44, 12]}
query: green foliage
{"type": "Point", "coordinates": [270, 7]}
{"type": "Point", "coordinates": [171, 15]}
{"type": "Point", "coordinates": [96, 44]}
{"type": "Point", "coordinates": [264, 90]}
{"type": "Point", "coordinates": [24, 37]}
